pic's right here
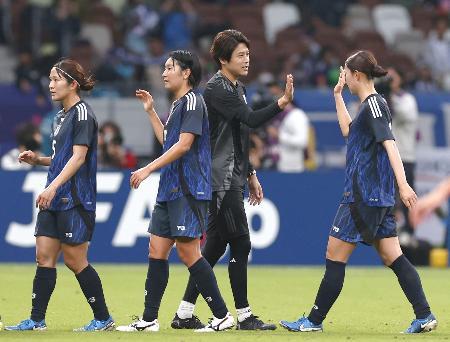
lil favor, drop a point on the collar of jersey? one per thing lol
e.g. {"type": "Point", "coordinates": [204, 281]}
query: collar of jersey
{"type": "Point", "coordinates": [228, 80]}
{"type": "Point", "coordinates": [74, 106]}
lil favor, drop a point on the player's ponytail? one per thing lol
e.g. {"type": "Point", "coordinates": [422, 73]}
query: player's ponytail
{"type": "Point", "coordinates": [72, 71]}
{"type": "Point", "coordinates": [378, 71]}
{"type": "Point", "coordinates": [364, 61]}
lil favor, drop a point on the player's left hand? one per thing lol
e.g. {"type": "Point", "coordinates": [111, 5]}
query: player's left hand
{"type": "Point", "coordinates": [255, 191]}
{"type": "Point", "coordinates": [45, 198]}
{"type": "Point", "coordinates": [138, 176]}
{"type": "Point", "coordinates": [407, 195]}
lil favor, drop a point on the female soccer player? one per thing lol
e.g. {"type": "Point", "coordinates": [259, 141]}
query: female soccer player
{"type": "Point", "coordinates": [66, 219]}
{"type": "Point", "coordinates": [366, 210]}
{"type": "Point", "coordinates": [183, 194]}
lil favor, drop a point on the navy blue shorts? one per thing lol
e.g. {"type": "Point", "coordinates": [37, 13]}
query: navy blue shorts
{"type": "Point", "coordinates": [182, 217]}
{"type": "Point", "coordinates": [72, 226]}
{"type": "Point", "coordinates": [357, 222]}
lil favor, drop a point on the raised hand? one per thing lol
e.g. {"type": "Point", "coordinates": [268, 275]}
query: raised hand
{"type": "Point", "coordinates": [146, 99]}
{"type": "Point", "coordinates": [288, 95]}
{"type": "Point", "coordinates": [341, 82]}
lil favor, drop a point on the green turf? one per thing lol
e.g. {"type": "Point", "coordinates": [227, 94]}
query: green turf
{"type": "Point", "coordinates": [371, 305]}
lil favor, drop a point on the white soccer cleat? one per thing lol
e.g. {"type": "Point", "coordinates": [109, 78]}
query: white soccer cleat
{"type": "Point", "coordinates": [218, 324]}
{"type": "Point", "coordinates": [140, 325]}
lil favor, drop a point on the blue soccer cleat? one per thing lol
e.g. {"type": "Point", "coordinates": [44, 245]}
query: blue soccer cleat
{"type": "Point", "coordinates": [303, 324]}
{"type": "Point", "coordinates": [422, 325]}
{"type": "Point", "coordinates": [28, 324]}
{"type": "Point", "coordinates": [96, 325]}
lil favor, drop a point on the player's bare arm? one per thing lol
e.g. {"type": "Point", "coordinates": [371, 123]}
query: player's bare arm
{"type": "Point", "coordinates": [79, 155]}
{"type": "Point", "coordinates": [175, 152]}
{"type": "Point", "coordinates": [343, 116]}
{"type": "Point", "coordinates": [147, 100]}
{"type": "Point", "coordinates": [407, 194]}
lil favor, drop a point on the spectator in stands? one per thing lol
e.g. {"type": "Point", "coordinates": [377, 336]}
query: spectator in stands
{"type": "Point", "coordinates": [424, 80]}
{"type": "Point", "coordinates": [63, 24]}
{"type": "Point", "coordinates": [405, 116]}
{"type": "Point", "coordinates": [437, 50]}
{"type": "Point", "coordinates": [139, 21]}
{"type": "Point", "coordinates": [28, 78]}
{"type": "Point", "coordinates": [287, 135]}
{"type": "Point", "coordinates": [178, 18]}
{"type": "Point", "coordinates": [112, 153]}
{"type": "Point", "coordinates": [28, 137]}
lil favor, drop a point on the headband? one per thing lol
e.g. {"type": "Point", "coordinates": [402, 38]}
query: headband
{"type": "Point", "coordinates": [65, 73]}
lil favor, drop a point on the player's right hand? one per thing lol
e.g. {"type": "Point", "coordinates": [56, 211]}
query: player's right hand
{"type": "Point", "coordinates": [341, 82]}
{"type": "Point", "coordinates": [138, 176]}
{"type": "Point", "coordinates": [28, 157]}
{"type": "Point", "coordinates": [146, 98]}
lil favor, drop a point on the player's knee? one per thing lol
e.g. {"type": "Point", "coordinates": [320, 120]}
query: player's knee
{"type": "Point", "coordinates": [240, 246]}
{"type": "Point", "coordinates": [75, 265]}
{"type": "Point", "coordinates": [45, 260]}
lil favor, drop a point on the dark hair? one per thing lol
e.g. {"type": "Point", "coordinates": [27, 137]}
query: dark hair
{"type": "Point", "coordinates": [25, 136]}
{"type": "Point", "coordinates": [365, 62]}
{"type": "Point", "coordinates": [187, 60]}
{"type": "Point", "coordinates": [71, 70]}
{"type": "Point", "coordinates": [224, 44]}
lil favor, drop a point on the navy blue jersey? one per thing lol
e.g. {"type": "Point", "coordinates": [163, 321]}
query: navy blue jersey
{"type": "Point", "coordinates": [191, 174]}
{"type": "Point", "coordinates": [77, 126]}
{"type": "Point", "coordinates": [369, 176]}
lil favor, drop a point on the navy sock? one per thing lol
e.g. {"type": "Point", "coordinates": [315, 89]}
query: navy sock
{"type": "Point", "coordinates": [329, 290]}
{"type": "Point", "coordinates": [212, 251]}
{"type": "Point", "coordinates": [409, 281]}
{"type": "Point", "coordinates": [155, 285]}
{"type": "Point", "coordinates": [43, 285]}
{"type": "Point", "coordinates": [237, 270]}
{"type": "Point", "coordinates": [205, 279]}
{"type": "Point", "coordinates": [91, 285]}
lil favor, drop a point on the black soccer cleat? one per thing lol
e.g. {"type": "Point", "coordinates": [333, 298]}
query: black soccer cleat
{"type": "Point", "coordinates": [253, 323]}
{"type": "Point", "coordinates": [186, 323]}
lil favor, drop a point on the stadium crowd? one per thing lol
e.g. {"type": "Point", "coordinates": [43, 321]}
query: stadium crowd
{"type": "Point", "coordinates": [124, 43]}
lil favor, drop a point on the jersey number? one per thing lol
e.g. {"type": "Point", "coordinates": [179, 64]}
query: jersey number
{"type": "Point", "coordinates": [53, 148]}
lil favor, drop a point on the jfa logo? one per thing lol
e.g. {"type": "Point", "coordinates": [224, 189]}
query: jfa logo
{"type": "Point", "coordinates": [336, 229]}
{"type": "Point", "coordinates": [69, 235]}
{"type": "Point", "coordinates": [182, 228]}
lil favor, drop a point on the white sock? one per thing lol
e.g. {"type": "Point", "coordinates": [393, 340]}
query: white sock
{"type": "Point", "coordinates": [185, 310]}
{"type": "Point", "coordinates": [243, 313]}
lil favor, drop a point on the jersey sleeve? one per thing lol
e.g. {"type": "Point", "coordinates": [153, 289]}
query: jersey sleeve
{"type": "Point", "coordinates": [194, 110]}
{"type": "Point", "coordinates": [225, 101]}
{"type": "Point", "coordinates": [84, 129]}
{"type": "Point", "coordinates": [379, 119]}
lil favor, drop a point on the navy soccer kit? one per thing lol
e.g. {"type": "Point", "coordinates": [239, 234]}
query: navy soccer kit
{"type": "Point", "coordinates": [185, 185]}
{"type": "Point", "coordinates": [366, 210]}
{"type": "Point", "coordinates": [71, 214]}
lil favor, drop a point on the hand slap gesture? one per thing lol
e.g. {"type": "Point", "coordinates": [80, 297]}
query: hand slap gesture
{"type": "Point", "coordinates": [289, 89]}
{"type": "Point", "coordinates": [341, 82]}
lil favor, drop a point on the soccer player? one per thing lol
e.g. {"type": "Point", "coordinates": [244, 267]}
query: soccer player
{"type": "Point", "coordinates": [66, 219]}
{"type": "Point", "coordinates": [183, 194]}
{"type": "Point", "coordinates": [366, 210]}
{"type": "Point", "coordinates": [230, 119]}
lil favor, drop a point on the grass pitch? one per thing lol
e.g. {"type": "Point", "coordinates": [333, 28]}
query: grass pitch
{"type": "Point", "coordinates": [371, 306]}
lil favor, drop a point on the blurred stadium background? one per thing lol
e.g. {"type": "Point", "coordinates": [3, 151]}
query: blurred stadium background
{"type": "Point", "coordinates": [125, 42]}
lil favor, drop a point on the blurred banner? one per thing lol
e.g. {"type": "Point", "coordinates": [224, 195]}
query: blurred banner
{"type": "Point", "coordinates": [289, 227]}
